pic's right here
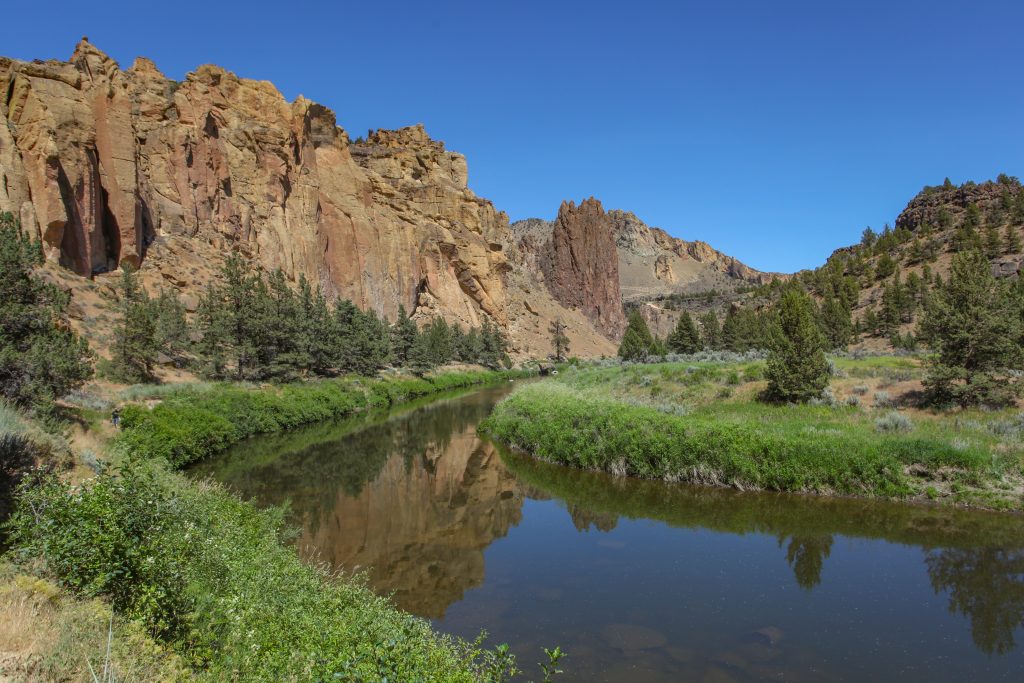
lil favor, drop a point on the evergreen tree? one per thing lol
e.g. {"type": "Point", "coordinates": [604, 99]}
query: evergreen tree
{"type": "Point", "coordinates": [684, 338]}
{"type": "Point", "coordinates": [885, 267]}
{"type": "Point", "coordinates": [711, 333]}
{"type": "Point", "coordinates": [559, 340]}
{"type": "Point", "coordinates": [1011, 240]}
{"type": "Point", "coordinates": [403, 336]}
{"type": "Point", "coordinates": [135, 346]}
{"type": "Point", "coordinates": [216, 327]}
{"type": "Point", "coordinates": [836, 323]}
{"type": "Point", "coordinates": [41, 357]}
{"type": "Point", "coordinates": [171, 324]}
{"type": "Point", "coordinates": [993, 242]}
{"type": "Point", "coordinates": [372, 343]}
{"type": "Point", "coordinates": [637, 342]}
{"type": "Point", "coordinates": [493, 346]}
{"type": "Point", "coordinates": [284, 352]}
{"type": "Point", "coordinates": [322, 334]}
{"type": "Point", "coordinates": [797, 368]}
{"type": "Point", "coordinates": [974, 324]}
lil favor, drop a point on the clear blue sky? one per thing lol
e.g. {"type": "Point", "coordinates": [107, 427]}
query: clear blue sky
{"type": "Point", "coordinates": [775, 131]}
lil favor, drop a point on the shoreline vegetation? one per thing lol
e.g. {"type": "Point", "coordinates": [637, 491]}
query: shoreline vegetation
{"type": "Point", "coordinates": [209, 577]}
{"type": "Point", "coordinates": [702, 423]}
{"type": "Point", "coordinates": [188, 426]}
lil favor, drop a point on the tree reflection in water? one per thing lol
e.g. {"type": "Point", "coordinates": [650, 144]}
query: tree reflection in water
{"type": "Point", "coordinates": [987, 586]}
{"type": "Point", "coordinates": [806, 555]}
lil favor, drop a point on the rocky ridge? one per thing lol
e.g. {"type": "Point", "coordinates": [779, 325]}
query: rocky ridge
{"type": "Point", "coordinates": [109, 166]}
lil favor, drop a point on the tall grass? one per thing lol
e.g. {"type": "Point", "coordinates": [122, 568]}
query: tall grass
{"type": "Point", "coordinates": [747, 446]}
{"type": "Point", "coordinates": [188, 427]}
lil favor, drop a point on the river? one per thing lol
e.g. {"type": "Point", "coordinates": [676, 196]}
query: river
{"type": "Point", "coordinates": [641, 580]}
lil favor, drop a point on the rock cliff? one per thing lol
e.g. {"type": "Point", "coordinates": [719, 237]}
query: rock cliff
{"type": "Point", "coordinates": [109, 166]}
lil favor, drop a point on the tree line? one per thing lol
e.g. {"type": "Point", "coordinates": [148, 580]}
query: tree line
{"type": "Point", "coordinates": [972, 324]}
{"type": "Point", "coordinates": [255, 326]}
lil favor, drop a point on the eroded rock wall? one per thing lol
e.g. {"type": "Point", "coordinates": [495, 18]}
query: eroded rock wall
{"type": "Point", "coordinates": [103, 163]}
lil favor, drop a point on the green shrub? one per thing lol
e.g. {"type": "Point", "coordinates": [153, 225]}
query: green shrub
{"type": "Point", "coordinates": [206, 573]}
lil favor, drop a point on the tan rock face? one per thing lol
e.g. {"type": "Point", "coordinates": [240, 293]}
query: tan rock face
{"type": "Point", "coordinates": [653, 263]}
{"type": "Point", "coordinates": [103, 163]}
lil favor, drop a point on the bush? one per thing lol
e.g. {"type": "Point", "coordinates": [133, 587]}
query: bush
{"type": "Point", "coordinates": [853, 401]}
{"type": "Point", "coordinates": [206, 573]}
{"type": "Point", "coordinates": [882, 400]}
{"type": "Point", "coordinates": [894, 422]}
{"type": "Point", "coordinates": [860, 389]}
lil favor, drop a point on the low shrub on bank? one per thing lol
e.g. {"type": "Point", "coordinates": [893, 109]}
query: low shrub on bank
{"type": "Point", "coordinates": [746, 446]}
{"type": "Point", "coordinates": [189, 427]}
{"type": "Point", "coordinates": [206, 573]}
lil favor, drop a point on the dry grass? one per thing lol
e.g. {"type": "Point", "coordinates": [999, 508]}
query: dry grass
{"type": "Point", "coordinates": [48, 635]}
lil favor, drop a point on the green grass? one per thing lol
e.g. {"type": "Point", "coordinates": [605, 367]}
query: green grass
{"type": "Point", "coordinates": [699, 424]}
{"type": "Point", "coordinates": [207, 574]}
{"type": "Point", "coordinates": [187, 427]}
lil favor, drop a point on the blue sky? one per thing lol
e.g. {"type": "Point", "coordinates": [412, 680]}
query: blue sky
{"type": "Point", "coordinates": [773, 130]}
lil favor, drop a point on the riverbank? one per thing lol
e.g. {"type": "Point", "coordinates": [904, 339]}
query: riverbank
{"type": "Point", "coordinates": [186, 427]}
{"type": "Point", "coordinates": [701, 423]}
{"type": "Point", "coordinates": [207, 575]}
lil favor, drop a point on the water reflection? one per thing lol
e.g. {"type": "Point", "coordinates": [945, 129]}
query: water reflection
{"type": "Point", "coordinates": [987, 586]}
{"type": "Point", "coordinates": [415, 498]}
{"type": "Point", "coordinates": [412, 497]}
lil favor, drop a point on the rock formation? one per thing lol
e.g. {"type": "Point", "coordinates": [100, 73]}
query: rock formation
{"type": "Point", "coordinates": [101, 163]}
{"type": "Point", "coordinates": [580, 267]}
{"type": "Point", "coordinates": [653, 263]}
{"type": "Point", "coordinates": [109, 166]}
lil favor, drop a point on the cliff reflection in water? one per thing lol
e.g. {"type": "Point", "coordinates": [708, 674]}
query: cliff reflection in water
{"type": "Point", "coordinates": [413, 498]}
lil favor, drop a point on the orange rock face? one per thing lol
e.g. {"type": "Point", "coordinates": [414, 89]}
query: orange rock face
{"type": "Point", "coordinates": [102, 164]}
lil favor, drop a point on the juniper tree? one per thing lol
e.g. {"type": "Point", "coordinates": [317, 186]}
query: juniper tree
{"type": "Point", "coordinates": [134, 350]}
{"type": "Point", "coordinates": [171, 324]}
{"type": "Point", "coordinates": [403, 336]}
{"type": "Point", "coordinates": [684, 338]}
{"type": "Point", "coordinates": [973, 323]}
{"type": "Point", "coordinates": [797, 368]}
{"type": "Point", "coordinates": [559, 340]}
{"type": "Point", "coordinates": [711, 332]}
{"type": "Point", "coordinates": [637, 341]}
{"type": "Point", "coordinates": [41, 357]}
{"type": "Point", "coordinates": [1011, 240]}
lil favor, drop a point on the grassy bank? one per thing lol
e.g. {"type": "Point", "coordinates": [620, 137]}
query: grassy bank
{"type": "Point", "coordinates": [188, 426]}
{"type": "Point", "coordinates": [206, 574]}
{"type": "Point", "coordinates": [701, 424]}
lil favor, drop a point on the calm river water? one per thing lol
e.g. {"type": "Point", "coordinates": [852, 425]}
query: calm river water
{"type": "Point", "coordinates": [643, 581]}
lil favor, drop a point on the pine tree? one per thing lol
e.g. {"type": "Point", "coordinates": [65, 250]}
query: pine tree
{"type": "Point", "coordinates": [322, 334]}
{"type": "Point", "coordinates": [1011, 240]}
{"type": "Point", "coordinates": [559, 340]}
{"type": "Point", "coordinates": [216, 327]}
{"type": "Point", "coordinates": [993, 242]}
{"type": "Point", "coordinates": [974, 324]}
{"type": "Point", "coordinates": [797, 369]}
{"type": "Point", "coordinates": [684, 338]}
{"type": "Point", "coordinates": [836, 323]}
{"type": "Point", "coordinates": [135, 347]}
{"type": "Point", "coordinates": [41, 357]}
{"type": "Point", "coordinates": [711, 333]}
{"type": "Point", "coordinates": [493, 345]}
{"type": "Point", "coordinates": [403, 336]}
{"type": "Point", "coordinates": [171, 324]}
{"type": "Point", "coordinates": [637, 342]}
